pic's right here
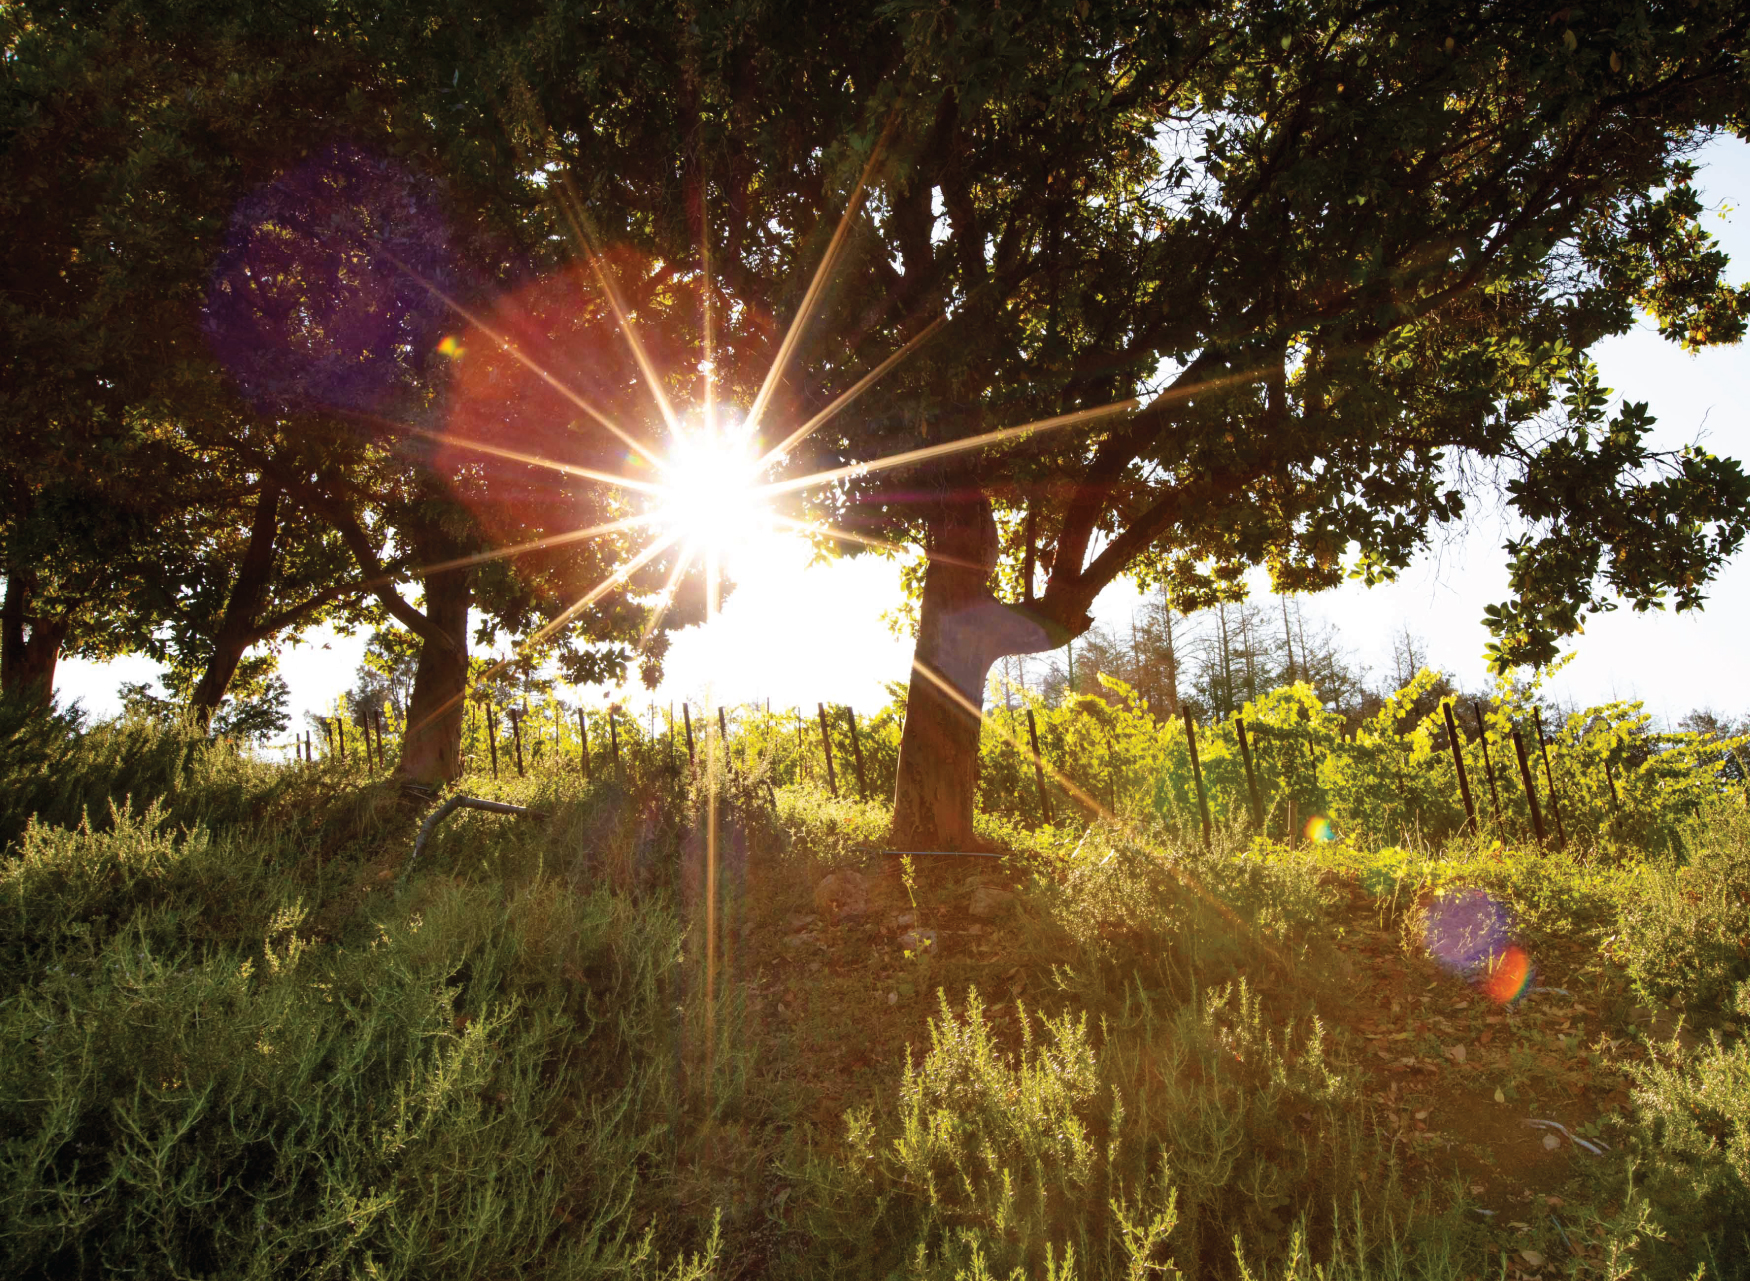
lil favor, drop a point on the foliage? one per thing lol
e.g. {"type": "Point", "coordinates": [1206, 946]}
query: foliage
{"type": "Point", "coordinates": [237, 1043]}
{"type": "Point", "coordinates": [1619, 783]}
{"type": "Point", "coordinates": [1692, 1129]}
{"type": "Point", "coordinates": [1685, 926]}
{"type": "Point", "coordinates": [401, 1102]}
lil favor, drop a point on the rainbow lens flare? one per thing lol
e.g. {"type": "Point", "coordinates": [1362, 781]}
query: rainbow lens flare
{"type": "Point", "coordinates": [1509, 976]}
{"type": "Point", "coordinates": [1319, 831]}
{"type": "Point", "coordinates": [451, 346]}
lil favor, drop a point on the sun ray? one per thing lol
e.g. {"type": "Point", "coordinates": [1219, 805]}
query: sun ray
{"type": "Point", "coordinates": [534, 366]}
{"type": "Point", "coordinates": [880, 544]}
{"type": "Point", "coordinates": [928, 452]}
{"type": "Point", "coordinates": [665, 599]}
{"type": "Point", "coordinates": [534, 545]}
{"type": "Point", "coordinates": [862, 385]}
{"type": "Point", "coordinates": [595, 593]}
{"type": "Point", "coordinates": [822, 272]}
{"type": "Point", "coordinates": [511, 455]}
{"type": "Point", "coordinates": [965, 704]}
{"type": "Point", "coordinates": [711, 605]}
{"type": "Point", "coordinates": [571, 611]}
{"type": "Point", "coordinates": [1093, 804]}
{"type": "Point", "coordinates": [583, 235]}
{"type": "Point", "coordinates": [709, 365]}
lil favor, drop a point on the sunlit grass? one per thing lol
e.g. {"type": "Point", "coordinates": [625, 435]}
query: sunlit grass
{"type": "Point", "coordinates": [221, 1005]}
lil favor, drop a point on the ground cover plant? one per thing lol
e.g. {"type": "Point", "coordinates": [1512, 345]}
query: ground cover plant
{"type": "Point", "coordinates": [244, 1036]}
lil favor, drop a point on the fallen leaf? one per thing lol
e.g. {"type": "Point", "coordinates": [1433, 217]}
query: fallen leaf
{"type": "Point", "coordinates": [1551, 1142]}
{"type": "Point", "coordinates": [1532, 1258]}
{"type": "Point", "coordinates": [1499, 1097]}
{"type": "Point", "coordinates": [1456, 1053]}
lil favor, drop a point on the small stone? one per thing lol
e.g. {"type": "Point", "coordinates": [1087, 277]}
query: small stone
{"type": "Point", "coordinates": [893, 998]}
{"type": "Point", "coordinates": [1551, 1142]}
{"type": "Point", "coordinates": [906, 919]}
{"type": "Point", "coordinates": [1456, 1053]}
{"type": "Point", "coordinates": [841, 895]}
{"type": "Point", "coordinates": [988, 903]}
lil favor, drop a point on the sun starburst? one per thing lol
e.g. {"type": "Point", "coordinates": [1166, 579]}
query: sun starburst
{"type": "Point", "coordinates": [710, 491]}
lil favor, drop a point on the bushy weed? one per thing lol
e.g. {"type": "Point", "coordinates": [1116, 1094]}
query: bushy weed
{"type": "Point", "coordinates": [1108, 1151]}
{"type": "Point", "coordinates": [1691, 1131]}
{"type": "Point", "coordinates": [202, 1078]}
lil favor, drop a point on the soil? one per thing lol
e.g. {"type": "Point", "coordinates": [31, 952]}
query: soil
{"type": "Point", "coordinates": [1457, 1077]}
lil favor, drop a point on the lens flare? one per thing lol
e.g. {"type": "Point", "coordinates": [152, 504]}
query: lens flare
{"type": "Point", "coordinates": [1509, 977]}
{"type": "Point", "coordinates": [1465, 931]}
{"type": "Point", "coordinates": [1319, 830]}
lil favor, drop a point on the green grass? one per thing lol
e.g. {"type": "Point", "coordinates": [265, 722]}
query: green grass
{"type": "Point", "coordinates": [235, 1042]}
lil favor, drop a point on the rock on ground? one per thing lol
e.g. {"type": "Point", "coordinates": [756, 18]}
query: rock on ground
{"type": "Point", "coordinates": [988, 903]}
{"type": "Point", "coordinates": [842, 894]}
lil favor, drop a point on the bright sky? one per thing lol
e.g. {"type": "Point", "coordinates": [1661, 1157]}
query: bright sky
{"type": "Point", "coordinates": [799, 633]}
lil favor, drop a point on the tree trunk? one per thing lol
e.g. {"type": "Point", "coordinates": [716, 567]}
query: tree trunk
{"type": "Point", "coordinates": [27, 663]}
{"type": "Point", "coordinates": [237, 630]}
{"type": "Point", "coordinates": [431, 746]}
{"type": "Point", "coordinates": [962, 630]}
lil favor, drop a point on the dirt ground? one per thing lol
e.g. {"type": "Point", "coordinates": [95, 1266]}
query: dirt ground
{"type": "Point", "coordinates": [835, 1002]}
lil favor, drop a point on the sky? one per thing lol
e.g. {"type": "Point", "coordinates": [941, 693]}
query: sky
{"type": "Point", "coordinates": [798, 632]}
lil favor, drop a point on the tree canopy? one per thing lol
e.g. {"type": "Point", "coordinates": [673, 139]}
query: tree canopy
{"type": "Point", "coordinates": [1286, 284]}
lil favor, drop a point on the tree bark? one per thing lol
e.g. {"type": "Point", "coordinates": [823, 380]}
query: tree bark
{"type": "Point", "coordinates": [431, 747]}
{"type": "Point", "coordinates": [962, 629]}
{"type": "Point", "coordinates": [28, 662]}
{"type": "Point", "coordinates": [237, 631]}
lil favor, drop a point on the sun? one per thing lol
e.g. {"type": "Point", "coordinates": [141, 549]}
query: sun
{"type": "Point", "coordinates": [709, 494]}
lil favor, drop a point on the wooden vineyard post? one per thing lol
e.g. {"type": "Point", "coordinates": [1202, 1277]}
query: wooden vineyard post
{"type": "Point", "coordinates": [382, 757]}
{"type": "Point", "coordinates": [365, 726]}
{"type": "Point", "coordinates": [327, 734]}
{"type": "Point", "coordinates": [826, 746]}
{"type": "Point", "coordinates": [1530, 787]}
{"type": "Point", "coordinates": [309, 749]}
{"type": "Point", "coordinates": [1470, 809]}
{"type": "Point", "coordinates": [1555, 807]}
{"type": "Point", "coordinates": [340, 729]}
{"type": "Point", "coordinates": [1615, 801]}
{"type": "Point", "coordinates": [857, 755]}
{"type": "Point", "coordinates": [516, 731]}
{"type": "Point", "coordinates": [1197, 774]}
{"type": "Point", "coordinates": [1038, 767]}
{"type": "Point", "coordinates": [614, 737]}
{"type": "Point", "coordinates": [687, 716]}
{"type": "Point", "coordinates": [583, 743]}
{"type": "Point", "coordinates": [492, 737]}
{"type": "Point", "coordinates": [1251, 777]}
{"type": "Point", "coordinates": [1488, 766]}
{"type": "Point", "coordinates": [723, 734]}
{"type": "Point", "coordinates": [801, 745]}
